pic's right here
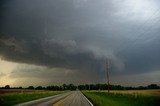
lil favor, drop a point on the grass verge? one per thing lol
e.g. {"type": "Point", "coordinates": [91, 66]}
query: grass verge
{"type": "Point", "coordinates": [104, 99]}
{"type": "Point", "coordinates": [15, 98]}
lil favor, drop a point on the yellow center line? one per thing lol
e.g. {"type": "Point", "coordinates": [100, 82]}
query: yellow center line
{"type": "Point", "coordinates": [61, 101]}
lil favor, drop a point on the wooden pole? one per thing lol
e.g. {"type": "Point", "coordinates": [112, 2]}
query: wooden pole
{"type": "Point", "coordinates": [107, 70]}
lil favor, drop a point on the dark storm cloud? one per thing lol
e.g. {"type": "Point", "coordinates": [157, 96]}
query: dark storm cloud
{"type": "Point", "coordinates": [79, 34]}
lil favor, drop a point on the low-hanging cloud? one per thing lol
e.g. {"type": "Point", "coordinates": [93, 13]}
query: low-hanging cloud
{"type": "Point", "coordinates": [79, 35]}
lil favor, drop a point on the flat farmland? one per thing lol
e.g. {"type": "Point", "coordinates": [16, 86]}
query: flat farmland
{"type": "Point", "coordinates": [134, 92]}
{"type": "Point", "coordinates": [9, 97]}
{"type": "Point", "coordinates": [124, 97]}
{"type": "Point", "coordinates": [6, 91]}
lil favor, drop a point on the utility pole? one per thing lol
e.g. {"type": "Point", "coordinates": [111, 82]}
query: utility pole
{"type": "Point", "coordinates": [107, 72]}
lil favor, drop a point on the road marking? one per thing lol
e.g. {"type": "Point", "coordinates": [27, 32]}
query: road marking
{"type": "Point", "coordinates": [61, 101]}
{"type": "Point", "coordinates": [87, 100]}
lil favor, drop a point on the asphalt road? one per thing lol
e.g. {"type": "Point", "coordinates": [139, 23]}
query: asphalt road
{"type": "Point", "coordinates": [74, 98]}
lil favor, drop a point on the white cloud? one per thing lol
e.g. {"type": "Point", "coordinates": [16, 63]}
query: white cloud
{"type": "Point", "coordinates": [137, 10]}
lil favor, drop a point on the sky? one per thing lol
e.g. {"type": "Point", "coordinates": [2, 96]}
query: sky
{"type": "Point", "coordinates": [52, 42]}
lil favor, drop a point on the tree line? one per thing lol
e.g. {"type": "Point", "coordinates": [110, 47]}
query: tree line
{"type": "Point", "coordinates": [85, 87]}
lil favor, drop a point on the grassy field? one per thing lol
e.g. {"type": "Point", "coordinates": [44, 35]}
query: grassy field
{"type": "Point", "coordinates": [138, 92]}
{"type": "Point", "coordinates": [10, 99]}
{"type": "Point", "coordinates": [101, 98]}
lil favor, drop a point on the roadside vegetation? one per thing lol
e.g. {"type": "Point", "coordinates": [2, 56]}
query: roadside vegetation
{"type": "Point", "coordinates": [84, 87]}
{"type": "Point", "coordinates": [121, 99]}
{"type": "Point", "coordinates": [10, 99]}
{"type": "Point", "coordinates": [14, 95]}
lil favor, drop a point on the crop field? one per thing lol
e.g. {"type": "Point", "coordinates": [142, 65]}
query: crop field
{"type": "Point", "coordinates": [9, 97]}
{"type": "Point", "coordinates": [13, 96]}
{"type": "Point", "coordinates": [125, 98]}
{"type": "Point", "coordinates": [6, 91]}
{"type": "Point", "coordinates": [133, 92]}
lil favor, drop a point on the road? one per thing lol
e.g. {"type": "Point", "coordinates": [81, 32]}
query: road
{"type": "Point", "coordinates": [74, 98]}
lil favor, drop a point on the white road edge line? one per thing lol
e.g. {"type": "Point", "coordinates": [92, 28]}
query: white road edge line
{"type": "Point", "coordinates": [87, 99]}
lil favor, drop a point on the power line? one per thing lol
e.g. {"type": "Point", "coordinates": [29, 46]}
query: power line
{"type": "Point", "coordinates": [140, 28]}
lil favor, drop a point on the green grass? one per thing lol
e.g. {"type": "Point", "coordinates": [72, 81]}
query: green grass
{"type": "Point", "coordinates": [15, 98]}
{"type": "Point", "coordinates": [104, 99]}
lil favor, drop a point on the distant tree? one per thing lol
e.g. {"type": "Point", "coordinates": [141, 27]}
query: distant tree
{"type": "Point", "coordinates": [49, 88]}
{"type": "Point", "coordinates": [116, 87]}
{"type": "Point", "coordinates": [87, 87]}
{"type": "Point", "coordinates": [72, 87]}
{"type": "Point", "coordinates": [129, 88]}
{"type": "Point", "coordinates": [104, 86]}
{"type": "Point", "coordinates": [81, 87]}
{"type": "Point", "coordinates": [141, 88]}
{"type": "Point", "coordinates": [153, 86]}
{"type": "Point", "coordinates": [30, 87]}
{"type": "Point", "coordinates": [7, 87]}
{"type": "Point", "coordinates": [64, 87]}
{"type": "Point", "coordinates": [39, 88]}
{"type": "Point", "coordinates": [92, 87]}
{"type": "Point", "coordinates": [20, 87]}
{"type": "Point", "coordinates": [57, 88]}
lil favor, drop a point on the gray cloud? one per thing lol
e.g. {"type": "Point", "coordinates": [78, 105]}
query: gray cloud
{"type": "Point", "coordinates": [12, 42]}
{"type": "Point", "coordinates": [53, 75]}
{"type": "Point", "coordinates": [2, 75]}
{"type": "Point", "coordinates": [79, 35]}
